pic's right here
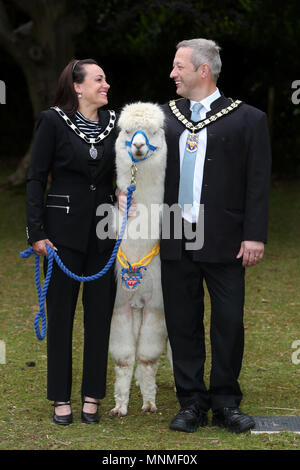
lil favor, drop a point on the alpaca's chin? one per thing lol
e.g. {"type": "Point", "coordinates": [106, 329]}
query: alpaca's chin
{"type": "Point", "coordinates": [139, 156]}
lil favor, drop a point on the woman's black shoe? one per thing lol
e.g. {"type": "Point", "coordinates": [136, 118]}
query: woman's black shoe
{"type": "Point", "coordinates": [89, 417]}
{"type": "Point", "coordinates": [64, 419]}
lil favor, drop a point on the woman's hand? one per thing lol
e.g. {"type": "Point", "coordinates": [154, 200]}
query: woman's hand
{"type": "Point", "coordinates": [122, 203]}
{"type": "Point", "coordinates": [40, 247]}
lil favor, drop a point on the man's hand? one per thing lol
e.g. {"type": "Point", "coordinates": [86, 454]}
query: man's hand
{"type": "Point", "coordinates": [252, 252]}
{"type": "Point", "coordinates": [122, 203]}
{"type": "Point", "coordinates": [40, 247]}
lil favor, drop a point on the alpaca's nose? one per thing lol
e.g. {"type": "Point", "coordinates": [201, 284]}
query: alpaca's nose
{"type": "Point", "coordinates": [138, 145]}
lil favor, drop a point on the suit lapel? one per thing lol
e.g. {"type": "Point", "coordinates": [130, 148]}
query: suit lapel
{"type": "Point", "coordinates": [175, 129]}
{"type": "Point", "coordinates": [103, 148]}
{"type": "Point", "coordinates": [218, 104]}
{"type": "Point", "coordinates": [184, 107]}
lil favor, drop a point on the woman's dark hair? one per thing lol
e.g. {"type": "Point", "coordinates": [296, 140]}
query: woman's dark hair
{"type": "Point", "coordinates": [65, 96]}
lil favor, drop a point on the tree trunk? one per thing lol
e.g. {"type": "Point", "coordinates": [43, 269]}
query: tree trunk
{"type": "Point", "coordinates": [42, 47]}
{"type": "Point", "coordinates": [41, 81]}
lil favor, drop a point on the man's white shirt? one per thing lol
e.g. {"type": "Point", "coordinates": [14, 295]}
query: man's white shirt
{"type": "Point", "coordinates": [192, 214]}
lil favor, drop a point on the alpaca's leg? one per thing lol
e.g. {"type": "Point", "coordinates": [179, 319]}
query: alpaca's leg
{"type": "Point", "coordinates": [123, 376]}
{"type": "Point", "coordinates": [145, 375]}
{"type": "Point", "coordinates": [122, 350]}
{"type": "Point", "coordinates": [151, 344]}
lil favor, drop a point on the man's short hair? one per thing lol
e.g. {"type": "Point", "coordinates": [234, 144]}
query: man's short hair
{"type": "Point", "coordinates": [205, 51]}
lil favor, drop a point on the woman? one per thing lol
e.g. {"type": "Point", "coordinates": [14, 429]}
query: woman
{"type": "Point", "coordinates": [74, 143]}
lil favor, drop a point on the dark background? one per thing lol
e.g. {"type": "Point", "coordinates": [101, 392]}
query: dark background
{"type": "Point", "coordinates": [134, 42]}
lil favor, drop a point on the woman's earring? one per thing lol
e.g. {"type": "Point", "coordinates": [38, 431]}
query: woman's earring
{"type": "Point", "coordinates": [79, 95]}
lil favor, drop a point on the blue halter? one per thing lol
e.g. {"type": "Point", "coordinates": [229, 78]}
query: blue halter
{"type": "Point", "coordinates": [151, 148]}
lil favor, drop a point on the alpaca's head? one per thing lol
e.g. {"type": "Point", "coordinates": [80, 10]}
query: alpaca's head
{"type": "Point", "coordinates": [141, 129]}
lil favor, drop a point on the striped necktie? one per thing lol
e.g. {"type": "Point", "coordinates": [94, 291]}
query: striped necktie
{"type": "Point", "coordinates": [186, 184]}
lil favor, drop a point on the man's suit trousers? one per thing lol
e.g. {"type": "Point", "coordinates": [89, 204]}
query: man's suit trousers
{"type": "Point", "coordinates": [183, 291]}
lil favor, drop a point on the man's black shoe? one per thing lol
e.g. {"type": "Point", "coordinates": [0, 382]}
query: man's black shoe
{"type": "Point", "coordinates": [232, 419]}
{"type": "Point", "coordinates": [189, 419]}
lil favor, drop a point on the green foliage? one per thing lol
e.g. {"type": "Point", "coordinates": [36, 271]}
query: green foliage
{"type": "Point", "coordinates": [135, 42]}
{"type": "Point", "coordinates": [138, 26]}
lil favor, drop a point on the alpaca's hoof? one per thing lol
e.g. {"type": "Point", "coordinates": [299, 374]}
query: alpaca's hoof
{"type": "Point", "coordinates": [149, 406]}
{"type": "Point", "coordinates": [118, 411]}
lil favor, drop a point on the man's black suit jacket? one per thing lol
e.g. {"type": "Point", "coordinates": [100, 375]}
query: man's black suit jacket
{"type": "Point", "coordinates": [236, 179]}
{"type": "Point", "coordinates": [68, 211]}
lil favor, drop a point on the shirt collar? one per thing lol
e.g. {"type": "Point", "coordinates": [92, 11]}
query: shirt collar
{"type": "Point", "coordinates": [206, 102]}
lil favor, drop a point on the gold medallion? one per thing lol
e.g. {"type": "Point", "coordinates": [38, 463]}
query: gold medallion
{"type": "Point", "coordinates": [192, 142]}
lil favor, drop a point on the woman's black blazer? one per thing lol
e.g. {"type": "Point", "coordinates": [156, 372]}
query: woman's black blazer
{"type": "Point", "coordinates": [67, 212]}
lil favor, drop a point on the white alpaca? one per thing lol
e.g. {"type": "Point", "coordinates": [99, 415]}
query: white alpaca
{"type": "Point", "coordinates": [138, 330]}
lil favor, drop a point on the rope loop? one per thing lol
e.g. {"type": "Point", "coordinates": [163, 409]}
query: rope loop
{"type": "Point", "coordinates": [52, 255]}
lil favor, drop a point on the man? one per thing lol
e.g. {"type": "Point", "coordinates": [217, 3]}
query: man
{"type": "Point", "coordinates": [219, 175]}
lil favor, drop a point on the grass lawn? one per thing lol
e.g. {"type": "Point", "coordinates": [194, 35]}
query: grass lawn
{"type": "Point", "coordinates": [269, 378]}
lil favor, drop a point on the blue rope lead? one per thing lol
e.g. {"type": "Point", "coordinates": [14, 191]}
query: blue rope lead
{"type": "Point", "coordinates": [52, 255]}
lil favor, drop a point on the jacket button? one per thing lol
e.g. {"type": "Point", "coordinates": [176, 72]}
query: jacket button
{"type": "Point", "coordinates": [92, 187]}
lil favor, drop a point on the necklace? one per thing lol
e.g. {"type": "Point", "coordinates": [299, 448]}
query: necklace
{"type": "Point", "coordinates": [89, 140]}
{"type": "Point", "coordinates": [205, 122]}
